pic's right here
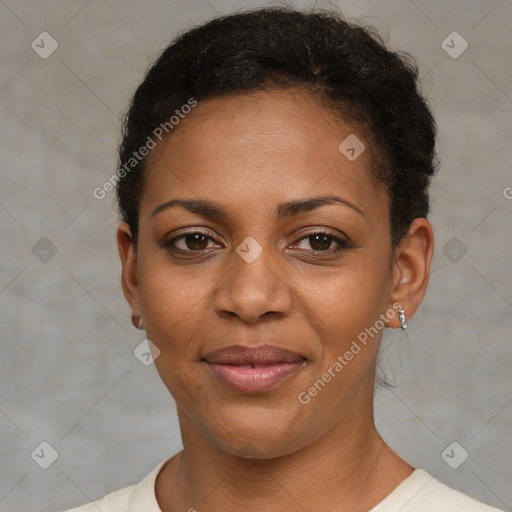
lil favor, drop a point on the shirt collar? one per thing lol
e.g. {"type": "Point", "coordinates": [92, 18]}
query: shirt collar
{"type": "Point", "coordinates": [143, 496]}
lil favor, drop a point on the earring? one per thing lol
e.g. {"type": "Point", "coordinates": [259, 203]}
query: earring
{"type": "Point", "coordinates": [403, 320]}
{"type": "Point", "coordinates": [137, 322]}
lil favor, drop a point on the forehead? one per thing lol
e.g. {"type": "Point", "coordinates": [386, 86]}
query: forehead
{"type": "Point", "coordinates": [259, 149]}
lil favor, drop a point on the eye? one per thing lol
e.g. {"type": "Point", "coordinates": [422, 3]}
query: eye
{"type": "Point", "coordinates": [321, 241]}
{"type": "Point", "coordinates": [197, 241]}
{"type": "Point", "coordinates": [191, 241]}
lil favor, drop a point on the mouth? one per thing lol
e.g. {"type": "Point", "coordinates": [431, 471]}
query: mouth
{"type": "Point", "coordinates": [253, 370]}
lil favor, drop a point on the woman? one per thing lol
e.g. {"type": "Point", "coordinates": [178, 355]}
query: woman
{"type": "Point", "coordinates": [273, 191]}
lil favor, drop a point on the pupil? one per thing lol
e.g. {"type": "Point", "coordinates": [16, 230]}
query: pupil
{"type": "Point", "coordinates": [196, 241]}
{"type": "Point", "coordinates": [322, 245]}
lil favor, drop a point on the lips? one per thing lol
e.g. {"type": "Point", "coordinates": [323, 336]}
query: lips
{"type": "Point", "coordinates": [253, 370]}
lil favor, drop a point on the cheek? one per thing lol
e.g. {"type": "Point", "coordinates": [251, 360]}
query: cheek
{"type": "Point", "coordinates": [176, 302]}
{"type": "Point", "coordinates": [348, 300]}
{"type": "Point", "coordinates": [346, 318]}
{"type": "Point", "coordinates": [170, 300]}
{"type": "Point", "coordinates": [173, 304]}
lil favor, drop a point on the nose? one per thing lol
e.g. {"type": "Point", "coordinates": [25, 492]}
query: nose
{"type": "Point", "coordinates": [252, 289]}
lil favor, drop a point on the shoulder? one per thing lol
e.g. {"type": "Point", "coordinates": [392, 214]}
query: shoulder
{"type": "Point", "coordinates": [421, 492]}
{"type": "Point", "coordinates": [115, 501]}
{"type": "Point", "coordinates": [439, 496]}
{"type": "Point", "coordinates": [133, 498]}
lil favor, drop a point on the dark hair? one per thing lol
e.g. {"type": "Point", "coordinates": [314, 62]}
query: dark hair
{"type": "Point", "coordinates": [344, 65]}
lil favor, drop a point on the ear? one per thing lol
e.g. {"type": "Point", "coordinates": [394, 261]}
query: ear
{"type": "Point", "coordinates": [129, 277]}
{"type": "Point", "coordinates": [411, 269]}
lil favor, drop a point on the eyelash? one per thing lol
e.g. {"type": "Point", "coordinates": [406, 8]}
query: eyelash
{"type": "Point", "coordinates": [342, 244]}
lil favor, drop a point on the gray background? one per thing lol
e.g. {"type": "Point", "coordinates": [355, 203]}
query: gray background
{"type": "Point", "coordinates": [68, 375]}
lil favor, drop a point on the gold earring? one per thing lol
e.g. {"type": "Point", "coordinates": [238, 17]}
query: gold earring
{"type": "Point", "coordinates": [403, 320]}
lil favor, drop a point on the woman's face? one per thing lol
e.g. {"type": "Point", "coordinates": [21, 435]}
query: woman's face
{"type": "Point", "coordinates": [265, 269]}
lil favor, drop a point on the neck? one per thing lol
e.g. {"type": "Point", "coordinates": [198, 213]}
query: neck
{"type": "Point", "coordinates": [349, 468]}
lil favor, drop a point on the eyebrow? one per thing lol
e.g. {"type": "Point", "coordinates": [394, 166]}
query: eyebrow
{"type": "Point", "coordinates": [213, 210]}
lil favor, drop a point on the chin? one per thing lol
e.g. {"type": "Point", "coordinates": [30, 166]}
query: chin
{"type": "Point", "coordinates": [255, 432]}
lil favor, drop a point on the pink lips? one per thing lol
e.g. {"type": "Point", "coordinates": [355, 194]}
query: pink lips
{"type": "Point", "coordinates": [253, 370]}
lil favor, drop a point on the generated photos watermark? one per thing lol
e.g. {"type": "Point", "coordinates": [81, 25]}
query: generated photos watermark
{"type": "Point", "coordinates": [137, 156]}
{"type": "Point", "coordinates": [304, 397]}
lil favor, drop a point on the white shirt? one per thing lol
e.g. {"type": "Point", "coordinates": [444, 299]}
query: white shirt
{"type": "Point", "coordinates": [419, 492]}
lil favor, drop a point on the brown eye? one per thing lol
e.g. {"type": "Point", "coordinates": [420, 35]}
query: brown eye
{"type": "Point", "coordinates": [196, 241]}
{"type": "Point", "coordinates": [193, 241]}
{"type": "Point", "coordinates": [322, 242]}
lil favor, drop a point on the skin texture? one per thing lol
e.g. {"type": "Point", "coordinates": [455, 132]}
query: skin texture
{"type": "Point", "coordinates": [249, 153]}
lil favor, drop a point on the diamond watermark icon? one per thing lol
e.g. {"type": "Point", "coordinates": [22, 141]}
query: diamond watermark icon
{"type": "Point", "coordinates": [454, 45]}
{"type": "Point", "coordinates": [44, 45]}
{"type": "Point", "coordinates": [454, 249]}
{"type": "Point", "coordinates": [44, 250]}
{"type": "Point", "coordinates": [249, 249]}
{"type": "Point", "coordinates": [454, 455]}
{"type": "Point", "coordinates": [44, 455]}
{"type": "Point", "coordinates": [351, 147]}
{"type": "Point", "coordinates": [146, 352]}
